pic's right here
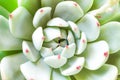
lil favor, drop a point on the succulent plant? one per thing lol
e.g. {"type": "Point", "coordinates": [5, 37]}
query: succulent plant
{"type": "Point", "coordinates": [60, 40]}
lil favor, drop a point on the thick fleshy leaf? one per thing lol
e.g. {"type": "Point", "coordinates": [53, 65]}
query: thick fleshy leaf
{"type": "Point", "coordinates": [50, 3]}
{"type": "Point", "coordinates": [85, 5]}
{"type": "Point", "coordinates": [20, 21]}
{"type": "Point", "coordinates": [58, 50]}
{"type": "Point", "coordinates": [42, 16]}
{"type": "Point", "coordinates": [69, 50]}
{"type": "Point", "coordinates": [29, 51]}
{"type": "Point", "coordinates": [98, 3]}
{"type": "Point", "coordinates": [75, 29]}
{"type": "Point", "coordinates": [114, 59]}
{"type": "Point", "coordinates": [31, 5]}
{"type": "Point", "coordinates": [90, 26]}
{"type": "Point", "coordinates": [107, 10]}
{"type": "Point", "coordinates": [51, 33]}
{"type": "Point", "coordinates": [110, 33]}
{"type": "Point", "coordinates": [10, 67]}
{"type": "Point", "coordinates": [71, 12]}
{"type": "Point", "coordinates": [36, 71]}
{"type": "Point", "coordinates": [7, 4]}
{"type": "Point", "coordinates": [55, 61]}
{"type": "Point", "coordinates": [7, 40]}
{"type": "Point", "coordinates": [118, 78]}
{"type": "Point", "coordinates": [45, 52]}
{"type": "Point", "coordinates": [106, 72]}
{"type": "Point", "coordinates": [63, 33]}
{"type": "Point", "coordinates": [51, 44]}
{"type": "Point", "coordinates": [4, 12]}
{"type": "Point", "coordinates": [81, 44]}
{"type": "Point", "coordinates": [7, 53]}
{"type": "Point", "coordinates": [73, 66]}
{"type": "Point", "coordinates": [57, 22]}
{"type": "Point", "coordinates": [38, 38]}
{"type": "Point", "coordinates": [70, 37]}
{"type": "Point", "coordinates": [56, 75]}
{"type": "Point", "coordinates": [96, 54]}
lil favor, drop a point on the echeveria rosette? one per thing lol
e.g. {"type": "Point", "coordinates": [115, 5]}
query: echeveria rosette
{"type": "Point", "coordinates": [61, 40]}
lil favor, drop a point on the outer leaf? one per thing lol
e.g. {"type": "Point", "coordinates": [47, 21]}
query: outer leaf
{"type": "Point", "coordinates": [96, 54]}
{"type": "Point", "coordinates": [21, 24]}
{"type": "Point", "coordinates": [106, 10]}
{"type": "Point", "coordinates": [7, 41]}
{"type": "Point", "coordinates": [7, 4]}
{"type": "Point", "coordinates": [90, 26]}
{"type": "Point", "coordinates": [106, 72]}
{"type": "Point", "coordinates": [36, 71]}
{"type": "Point", "coordinates": [50, 3]}
{"type": "Point", "coordinates": [31, 5]}
{"type": "Point", "coordinates": [110, 33]}
{"type": "Point", "coordinates": [56, 75]}
{"type": "Point", "coordinates": [114, 59]}
{"type": "Point", "coordinates": [98, 3]}
{"type": "Point", "coordinates": [7, 53]}
{"type": "Point", "coordinates": [4, 12]}
{"type": "Point", "coordinates": [86, 4]}
{"type": "Point", "coordinates": [74, 66]}
{"type": "Point", "coordinates": [10, 67]}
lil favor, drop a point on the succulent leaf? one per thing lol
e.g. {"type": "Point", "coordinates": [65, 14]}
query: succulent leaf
{"type": "Point", "coordinates": [105, 34]}
{"type": "Point", "coordinates": [81, 44]}
{"type": "Point", "coordinates": [70, 37]}
{"type": "Point", "coordinates": [58, 50]}
{"type": "Point", "coordinates": [72, 12]}
{"type": "Point", "coordinates": [42, 16]}
{"type": "Point", "coordinates": [45, 52]}
{"type": "Point", "coordinates": [29, 51]}
{"type": "Point", "coordinates": [7, 4]}
{"type": "Point", "coordinates": [96, 54]}
{"type": "Point", "coordinates": [51, 44]}
{"type": "Point", "coordinates": [38, 40]}
{"type": "Point", "coordinates": [106, 72]}
{"type": "Point", "coordinates": [20, 22]}
{"type": "Point", "coordinates": [57, 76]}
{"type": "Point", "coordinates": [69, 50]}
{"type": "Point", "coordinates": [58, 22]}
{"type": "Point", "coordinates": [90, 26]}
{"type": "Point", "coordinates": [75, 29]}
{"type": "Point", "coordinates": [55, 61]}
{"type": "Point", "coordinates": [114, 59]}
{"type": "Point", "coordinates": [10, 67]}
{"type": "Point", "coordinates": [50, 3]}
{"type": "Point", "coordinates": [85, 5]}
{"type": "Point", "coordinates": [7, 40]}
{"type": "Point", "coordinates": [4, 12]}
{"type": "Point", "coordinates": [31, 5]}
{"type": "Point", "coordinates": [51, 33]}
{"type": "Point", "coordinates": [37, 71]}
{"type": "Point", "coordinates": [73, 66]}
